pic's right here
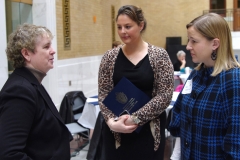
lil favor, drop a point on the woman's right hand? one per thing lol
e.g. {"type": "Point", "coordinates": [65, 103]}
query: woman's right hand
{"type": "Point", "coordinates": [183, 62]}
{"type": "Point", "coordinates": [119, 125]}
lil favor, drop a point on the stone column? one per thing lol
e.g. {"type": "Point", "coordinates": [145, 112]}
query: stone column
{"type": "Point", "coordinates": [3, 44]}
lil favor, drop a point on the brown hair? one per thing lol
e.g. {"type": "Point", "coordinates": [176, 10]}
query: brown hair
{"type": "Point", "coordinates": [116, 43]}
{"type": "Point", "coordinates": [134, 13]}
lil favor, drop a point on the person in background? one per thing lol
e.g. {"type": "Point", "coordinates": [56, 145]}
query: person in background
{"type": "Point", "coordinates": [206, 114]}
{"type": "Point", "coordinates": [30, 125]}
{"type": "Point", "coordinates": [116, 44]}
{"type": "Point", "coordinates": [150, 69]}
{"type": "Point", "coordinates": [180, 64]}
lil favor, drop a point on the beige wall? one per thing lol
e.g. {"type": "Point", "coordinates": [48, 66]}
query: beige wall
{"type": "Point", "coordinates": [229, 4]}
{"type": "Point", "coordinates": [165, 19]}
{"type": "Point", "coordinates": [87, 38]}
{"type": "Point", "coordinates": [168, 18]}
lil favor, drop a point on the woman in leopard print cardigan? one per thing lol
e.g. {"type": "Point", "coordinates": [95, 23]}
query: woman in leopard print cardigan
{"type": "Point", "coordinates": [151, 70]}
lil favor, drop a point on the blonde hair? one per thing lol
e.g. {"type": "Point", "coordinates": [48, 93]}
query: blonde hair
{"type": "Point", "coordinates": [212, 26]}
{"type": "Point", "coordinates": [25, 36]}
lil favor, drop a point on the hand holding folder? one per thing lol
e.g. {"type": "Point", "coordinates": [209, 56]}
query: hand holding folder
{"type": "Point", "coordinates": [125, 98]}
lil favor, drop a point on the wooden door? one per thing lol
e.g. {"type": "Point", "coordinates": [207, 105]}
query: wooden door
{"type": "Point", "coordinates": [236, 15]}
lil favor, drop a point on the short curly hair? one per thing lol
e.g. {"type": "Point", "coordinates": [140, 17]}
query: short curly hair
{"type": "Point", "coordinates": [25, 36]}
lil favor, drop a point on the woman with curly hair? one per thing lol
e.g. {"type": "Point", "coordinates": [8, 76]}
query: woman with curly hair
{"type": "Point", "coordinates": [30, 125]}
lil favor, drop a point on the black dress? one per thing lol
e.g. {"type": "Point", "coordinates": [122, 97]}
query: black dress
{"type": "Point", "coordinates": [134, 146]}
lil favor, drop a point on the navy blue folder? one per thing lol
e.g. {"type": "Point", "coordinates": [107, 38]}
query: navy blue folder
{"type": "Point", "coordinates": [125, 97]}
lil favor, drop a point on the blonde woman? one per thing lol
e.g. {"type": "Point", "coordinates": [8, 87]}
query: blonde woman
{"type": "Point", "coordinates": [206, 114]}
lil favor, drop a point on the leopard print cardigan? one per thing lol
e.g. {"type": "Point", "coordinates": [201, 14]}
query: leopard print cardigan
{"type": "Point", "coordinates": [162, 88]}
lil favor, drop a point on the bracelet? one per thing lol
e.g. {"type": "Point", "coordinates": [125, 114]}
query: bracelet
{"type": "Point", "coordinates": [135, 119]}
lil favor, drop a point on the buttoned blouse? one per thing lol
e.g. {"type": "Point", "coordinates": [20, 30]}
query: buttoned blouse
{"type": "Point", "coordinates": [207, 118]}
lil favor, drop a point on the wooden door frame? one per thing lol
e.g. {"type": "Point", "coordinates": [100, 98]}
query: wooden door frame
{"type": "Point", "coordinates": [235, 4]}
{"type": "Point", "coordinates": [236, 16]}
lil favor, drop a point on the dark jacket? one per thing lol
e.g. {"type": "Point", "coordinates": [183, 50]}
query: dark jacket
{"type": "Point", "coordinates": [177, 65]}
{"type": "Point", "coordinates": [30, 125]}
{"type": "Point", "coordinates": [95, 147]}
{"type": "Point", "coordinates": [65, 110]}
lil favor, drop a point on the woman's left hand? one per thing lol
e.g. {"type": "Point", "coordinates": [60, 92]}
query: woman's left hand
{"type": "Point", "coordinates": [120, 125]}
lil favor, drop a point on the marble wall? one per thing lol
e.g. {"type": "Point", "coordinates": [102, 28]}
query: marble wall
{"type": "Point", "coordinates": [236, 44]}
{"type": "Point", "coordinates": [77, 74]}
{"type": "Point", "coordinates": [236, 40]}
{"type": "Point", "coordinates": [3, 43]}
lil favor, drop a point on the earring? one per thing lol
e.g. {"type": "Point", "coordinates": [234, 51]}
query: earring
{"type": "Point", "coordinates": [214, 55]}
